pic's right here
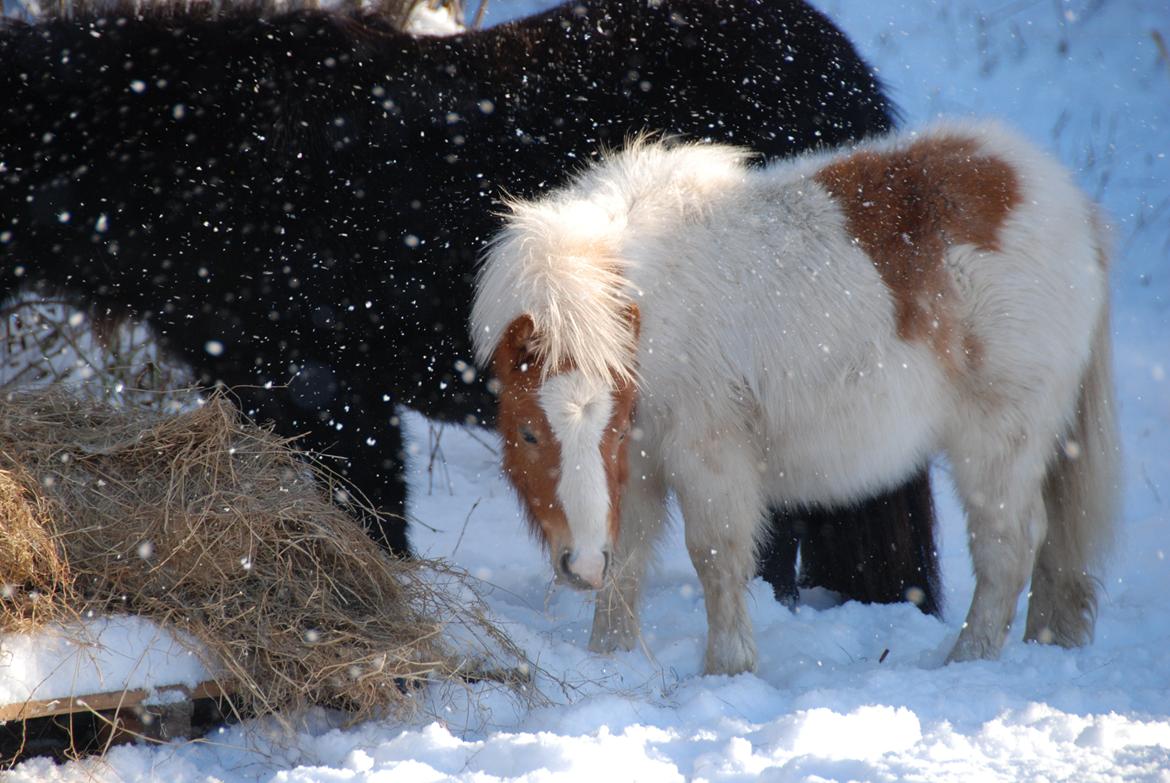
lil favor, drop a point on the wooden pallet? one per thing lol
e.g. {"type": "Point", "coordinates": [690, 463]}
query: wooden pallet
{"type": "Point", "coordinates": [158, 713]}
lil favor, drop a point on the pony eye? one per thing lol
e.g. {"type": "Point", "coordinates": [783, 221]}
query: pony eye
{"type": "Point", "coordinates": [528, 435]}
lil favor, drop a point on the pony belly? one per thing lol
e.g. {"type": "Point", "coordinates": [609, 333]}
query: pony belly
{"type": "Point", "coordinates": [830, 472]}
{"type": "Point", "coordinates": [844, 450]}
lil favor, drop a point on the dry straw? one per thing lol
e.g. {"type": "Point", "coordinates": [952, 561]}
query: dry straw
{"type": "Point", "coordinates": [204, 522]}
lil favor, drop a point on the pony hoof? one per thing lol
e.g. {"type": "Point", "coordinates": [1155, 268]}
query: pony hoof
{"type": "Point", "coordinates": [972, 650]}
{"type": "Point", "coordinates": [611, 641]}
{"type": "Point", "coordinates": [613, 633]}
{"type": "Point", "coordinates": [729, 668]}
{"type": "Point", "coordinates": [731, 656]}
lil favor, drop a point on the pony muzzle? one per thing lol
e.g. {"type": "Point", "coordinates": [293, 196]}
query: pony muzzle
{"type": "Point", "coordinates": [582, 571]}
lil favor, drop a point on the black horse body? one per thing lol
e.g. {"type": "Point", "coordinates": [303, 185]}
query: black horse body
{"type": "Point", "coordinates": [295, 203]}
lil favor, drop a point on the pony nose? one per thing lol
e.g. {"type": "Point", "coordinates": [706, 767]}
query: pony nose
{"type": "Point", "coordinates": [583, 572]}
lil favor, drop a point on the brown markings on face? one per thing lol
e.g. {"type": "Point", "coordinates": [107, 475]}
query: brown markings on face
{"type": "Point", "coordinates": [906, 208]}
{"type": "Point", "coordinates": [615, 440]}
{"type": "Point", "coordinates": [532, 454]}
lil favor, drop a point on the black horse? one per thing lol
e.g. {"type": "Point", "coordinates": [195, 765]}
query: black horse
{"type": "Point", "coordinates": [294, 202]}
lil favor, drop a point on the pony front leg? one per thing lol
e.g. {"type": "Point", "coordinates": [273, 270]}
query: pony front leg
{"type": "Point", "coordinates": [615, 619]}
{"type": "Point", "coordinates": [722, 508]}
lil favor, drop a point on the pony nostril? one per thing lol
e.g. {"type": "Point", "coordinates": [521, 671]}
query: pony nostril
{"type": "Point", "coordinates": [581, 571]}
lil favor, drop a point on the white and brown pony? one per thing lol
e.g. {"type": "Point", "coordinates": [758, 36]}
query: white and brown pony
{"type": "Point", "coordinates": [809, 332]}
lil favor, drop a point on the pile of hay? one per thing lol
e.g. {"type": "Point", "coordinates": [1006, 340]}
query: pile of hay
{"type": "Point", "coordinates": [204, 522]}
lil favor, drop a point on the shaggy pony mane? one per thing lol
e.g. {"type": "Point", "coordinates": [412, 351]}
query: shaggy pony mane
{"type": "Point", "coordinates": [560, 259]}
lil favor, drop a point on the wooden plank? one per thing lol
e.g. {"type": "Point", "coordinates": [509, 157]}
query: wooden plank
{"type": "Point", "coordinates": [112, 700]}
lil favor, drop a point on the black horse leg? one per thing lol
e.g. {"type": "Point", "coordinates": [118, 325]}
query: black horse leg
{"type": "Point", "coordinates": [777, 559]}
{"type": "Point", "coordinates": [879, 551]}
{"type": "Point", "coordinates": [381, 473]}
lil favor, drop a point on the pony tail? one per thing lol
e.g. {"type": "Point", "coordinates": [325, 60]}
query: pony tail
{"type": "Point", "coordinates": [1082, 499]}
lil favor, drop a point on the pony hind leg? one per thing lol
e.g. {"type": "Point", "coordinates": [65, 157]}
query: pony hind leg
{"type": "Point", "coordinates": [1062, 607]}
{"type": "Point", "coordinates": [723, 510]}
{"type": "Point", "coordinates": [1006, 523]}
{"type": "Point", "coordinates": [1081, 494]}
{"type": "Point", "coordinates": [615, 618]}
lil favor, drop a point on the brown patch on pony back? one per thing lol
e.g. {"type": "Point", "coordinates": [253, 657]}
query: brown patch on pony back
{"type": "Point", "coordinates": [906, 207]}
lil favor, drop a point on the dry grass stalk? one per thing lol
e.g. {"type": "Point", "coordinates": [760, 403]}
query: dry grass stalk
{"type": "Point", "coordinates": [204, 522]}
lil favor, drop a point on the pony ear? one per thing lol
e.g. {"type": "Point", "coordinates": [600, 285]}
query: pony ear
{"type": "Point", "coordinates": [515, 357]}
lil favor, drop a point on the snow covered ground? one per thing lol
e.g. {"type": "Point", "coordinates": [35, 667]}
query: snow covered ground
{"type": "Point", "coordinates": [107, 654]}
{"type": "Point", "coordinates": [1089, 80]}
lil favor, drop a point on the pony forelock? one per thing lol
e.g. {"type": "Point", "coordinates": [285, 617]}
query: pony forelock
{"type": "Point", "coordinates": [558, 262]}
